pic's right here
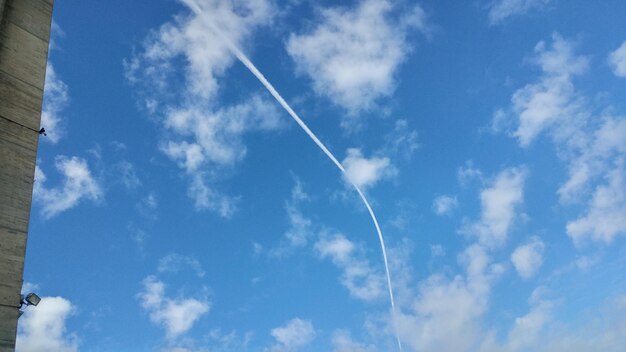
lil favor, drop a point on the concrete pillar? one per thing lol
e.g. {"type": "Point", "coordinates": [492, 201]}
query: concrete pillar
{"type": "Point", "coordinates": [24, 37]}
{"type": "Point", "coordinates": [1, 9]}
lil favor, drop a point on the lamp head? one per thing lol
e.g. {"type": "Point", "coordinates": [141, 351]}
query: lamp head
{"type": "Point", "coordinates": [32, 299]}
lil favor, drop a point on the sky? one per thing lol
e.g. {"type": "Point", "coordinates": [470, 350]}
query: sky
{"type": "Point", "coordinates": [178, 207]}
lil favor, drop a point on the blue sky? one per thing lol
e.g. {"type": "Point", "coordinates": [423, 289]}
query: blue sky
{"type": "Point", "coordinates": [178, 207]}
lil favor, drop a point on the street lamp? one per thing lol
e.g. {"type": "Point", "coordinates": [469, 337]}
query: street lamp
{"type": "Point", "coordinates": [30, 299]}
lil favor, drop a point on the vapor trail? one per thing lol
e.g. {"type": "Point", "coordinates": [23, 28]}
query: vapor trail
{"type": "Point", "coordinates": [244, 60]}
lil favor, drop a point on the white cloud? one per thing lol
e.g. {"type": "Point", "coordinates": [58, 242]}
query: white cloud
{"type": "Point", "coordinates": [617, 60]}
{"type": "Point", "coordinates": [500, 10]}
{"type": "Point", "coordinates": [78, 184]}
{"type": "Point", "coordinates": [295, 334]}
{"type": "Point", "coordinates": [55, 99]}
{"type": "Point", "coordinates": [358, 276]}
{"type": "Point", "coordinates": [443, 205]}
{"type": "Point", "coordinates": [342, 342]}
{"type": "Point", "coordinates": [43, 328]}
{"type": "Point", "coordinates": [499, 204]}
{"type": "Point", "coordinates": [174, 262]}
{"type": "Point", "coordinates": [352, 56]}
{"type": "Point", "coordinates": [177, 316]}
{"type": "Point", "coordinates": [366, 172]}
{"type": "Point", "coordinates": [177, 73]}
{"type": "Point", "coordinates": [528, 258]}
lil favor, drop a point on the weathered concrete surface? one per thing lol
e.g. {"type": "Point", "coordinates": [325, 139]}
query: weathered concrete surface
{"type": "Point", "coordinates": [24, 37]}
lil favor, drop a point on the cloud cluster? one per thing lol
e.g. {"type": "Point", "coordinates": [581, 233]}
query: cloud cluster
{"type": "Point", "coordinates": [458, 305]}
{"type": "Point", "coordinates": [43, 328]}
{"type": "Point", "coordinates": [192, 38]}
{"type": "Point", "coordinates": [78, 184]}
{"type": "Point", "coordinates": [444, 305]}
{"type": "Point", "coordinates": [177, 74]}
{"type": "Point", "coordinates": [592, 146]}
{"type": "Point", "coordinates": [353, 54]}
{"type": "Point", "coordinates": [450, 307]}
{"type": "Point", "coordinates": [176, 315]}
{"type": "Point", "coordinates": [603, 332]}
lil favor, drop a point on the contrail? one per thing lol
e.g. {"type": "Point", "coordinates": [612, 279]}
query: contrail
{"type": "Point", "coordinates": [244, 60]}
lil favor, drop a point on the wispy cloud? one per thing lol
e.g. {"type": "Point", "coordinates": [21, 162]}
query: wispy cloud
{"type": "Point", "coordinates": [501, 10]}
{"type": "Point", "coordinates": [361, 279]}
{"type": "Point", "coordinates": [353, 54]}
{"type": "Point", "coordinates": [402, 141]}
{"type": "Point", "coordinates": [78, 184]}
{"type": "Point", "coordinates": [296, 333]}
{"type": "Point", "coordinates": [467, 173]}
{"type": "Point", "coordinates": [126, 175]}
{"type": "Point", "coordinates": [443, 205]}
{"type": "Point", "coordinates": [174, 262]}
{"type": "Point", "coordinates": [55, 95]}
{"type": "Point", "coordinates": [55, 100]}
{"type": "Point", "coordinates": [617, 60]}
{"type": "Point", "coordinates": [343, 342]}
{"type": "Point", "coordinates": [606, 214]}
